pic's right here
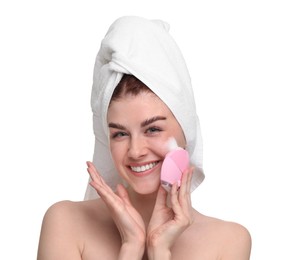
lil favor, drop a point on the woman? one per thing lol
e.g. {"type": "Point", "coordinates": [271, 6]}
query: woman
{"type": "Point", "coordinates": [141, 98]}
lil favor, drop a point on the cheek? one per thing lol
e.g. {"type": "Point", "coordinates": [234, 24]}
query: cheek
{"type": "Point", "coordinates": [116, 151]}
{"type": "Point", "coordinates": [178, 134]}
{"type": "Point", "coordinates": [161, 146]}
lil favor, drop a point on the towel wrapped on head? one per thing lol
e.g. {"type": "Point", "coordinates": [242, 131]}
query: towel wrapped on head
{"type": "Point", "coordinates": [143, 48]}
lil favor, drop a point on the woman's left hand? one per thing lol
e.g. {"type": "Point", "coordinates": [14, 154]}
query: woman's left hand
{"type": "Point", "coordinates": [167, 223]}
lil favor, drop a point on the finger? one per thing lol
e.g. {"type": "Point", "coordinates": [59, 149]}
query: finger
{"type": "Point", "coordinates": [184, 192]}
{"type": "Point", "coordinates": [175, 200]}
{"type": "Point", "coordinates": [94, 171]}
{"type": "Point", "coordinates": [95, 176]}
{"type": "Point", "coordinates": [91, 165]}
{"type": "Point", "coordinates": [182, 212]}
{"type": "Point", "coordinates": [189, 182]}
{"type": "Point", "coordinates": [98, 183]}
{"type": "Point", "coordinates": [187, 179]}
{"type": "Point", "coordinates": [98, 180]}
{"type": "Point", "coordinates": [112, 201]}
{"type": "Point", "coordinates": [184, 183]}
{"type": "Point", "coordinates": [160, 199]}
{"type": "Point", "coordinates": [101, 190]}
{"type": "Point", "coordinates": [123, 194]}
{"type": "Point", "coordinates": [192, 169]}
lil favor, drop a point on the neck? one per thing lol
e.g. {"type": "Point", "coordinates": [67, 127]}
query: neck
{"type": "Point", "coordinates": [143, 203]}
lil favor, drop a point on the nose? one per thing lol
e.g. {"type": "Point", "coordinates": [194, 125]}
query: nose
{"type": "Point", "coordinates": [137, 148]}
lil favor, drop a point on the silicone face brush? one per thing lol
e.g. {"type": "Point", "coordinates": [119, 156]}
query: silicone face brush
{"type": "Point", "coordinates": [174, 164]}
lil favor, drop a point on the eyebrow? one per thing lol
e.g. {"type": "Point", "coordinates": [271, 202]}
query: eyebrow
{"type": "Point", "coordinates": [152, 120]}
{"type": "Point", "coordinates": [117, 126]}
{"type": "Point", "coordinates": [143, 124]}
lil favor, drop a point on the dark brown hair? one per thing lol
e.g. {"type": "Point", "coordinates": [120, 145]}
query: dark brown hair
{"type": "Point", "coordinates": [129, 84]}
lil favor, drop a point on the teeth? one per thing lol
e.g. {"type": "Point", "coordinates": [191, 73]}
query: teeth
{"type": "Point", "coordinates": [144, 167]}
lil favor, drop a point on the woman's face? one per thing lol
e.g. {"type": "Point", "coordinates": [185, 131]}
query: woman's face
{"type": "Point", "coordinates": [139, 128]}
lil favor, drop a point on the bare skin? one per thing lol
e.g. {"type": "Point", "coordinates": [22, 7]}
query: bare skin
{"type": "Point", "coordinates": [85, 230]}
{"type": "Point", "coordinates": [142, 221]}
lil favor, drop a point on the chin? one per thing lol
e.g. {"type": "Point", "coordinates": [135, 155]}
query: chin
{"type": "Point", "coordinates": [145, 189]}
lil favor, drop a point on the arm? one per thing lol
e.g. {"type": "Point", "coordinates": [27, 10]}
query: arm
{"type": "Point", "coordinates": [57, 239]}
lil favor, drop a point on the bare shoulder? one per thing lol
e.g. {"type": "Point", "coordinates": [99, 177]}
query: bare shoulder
{"type": "Point", "coordinates": [66, 226]}
{"type": "Point", "coordinates": [234, 238]}
{"type": "Point", "coordinates": [70, 212]}
{"type": "Point", "coordinates": [229, 240]}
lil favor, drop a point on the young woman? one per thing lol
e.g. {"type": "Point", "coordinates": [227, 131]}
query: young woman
{"type": "Point", "coordinates": [141, 98]}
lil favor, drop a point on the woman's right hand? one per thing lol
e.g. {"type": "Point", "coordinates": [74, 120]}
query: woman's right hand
{"type": "Point", "coordinates": [128, 221]}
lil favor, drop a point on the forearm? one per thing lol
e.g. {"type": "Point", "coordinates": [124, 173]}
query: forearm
{"type": "Point", "coordinates": [158, 251]}
{"type": "Point", "coordinates": [131, 251]}
{"type": "Point", "coordinates": [159, 254]}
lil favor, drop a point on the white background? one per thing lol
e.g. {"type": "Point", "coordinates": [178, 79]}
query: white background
{"type": "Point", "coordinates": [240, 56]}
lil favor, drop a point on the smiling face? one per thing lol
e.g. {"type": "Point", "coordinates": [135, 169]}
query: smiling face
{"type": "Point", "coordinates": [139, 127]}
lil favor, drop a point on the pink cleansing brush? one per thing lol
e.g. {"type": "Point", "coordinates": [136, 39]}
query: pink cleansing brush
{"type": "Point", "coordinates": [174, 164]}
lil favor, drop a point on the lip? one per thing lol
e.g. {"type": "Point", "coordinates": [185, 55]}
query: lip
{"type": "Point", "coordinates": [147, 172]}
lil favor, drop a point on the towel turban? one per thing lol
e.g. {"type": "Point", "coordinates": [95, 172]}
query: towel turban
{"type": "Point", "coordinates": [143, 48]}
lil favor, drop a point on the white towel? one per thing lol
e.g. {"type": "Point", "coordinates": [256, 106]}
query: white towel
{"type": "Point", "coordinates": [145, 49]}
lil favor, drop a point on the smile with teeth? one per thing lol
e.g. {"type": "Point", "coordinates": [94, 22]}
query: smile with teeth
{"type": "Point", "coordinates": [143, 168]}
